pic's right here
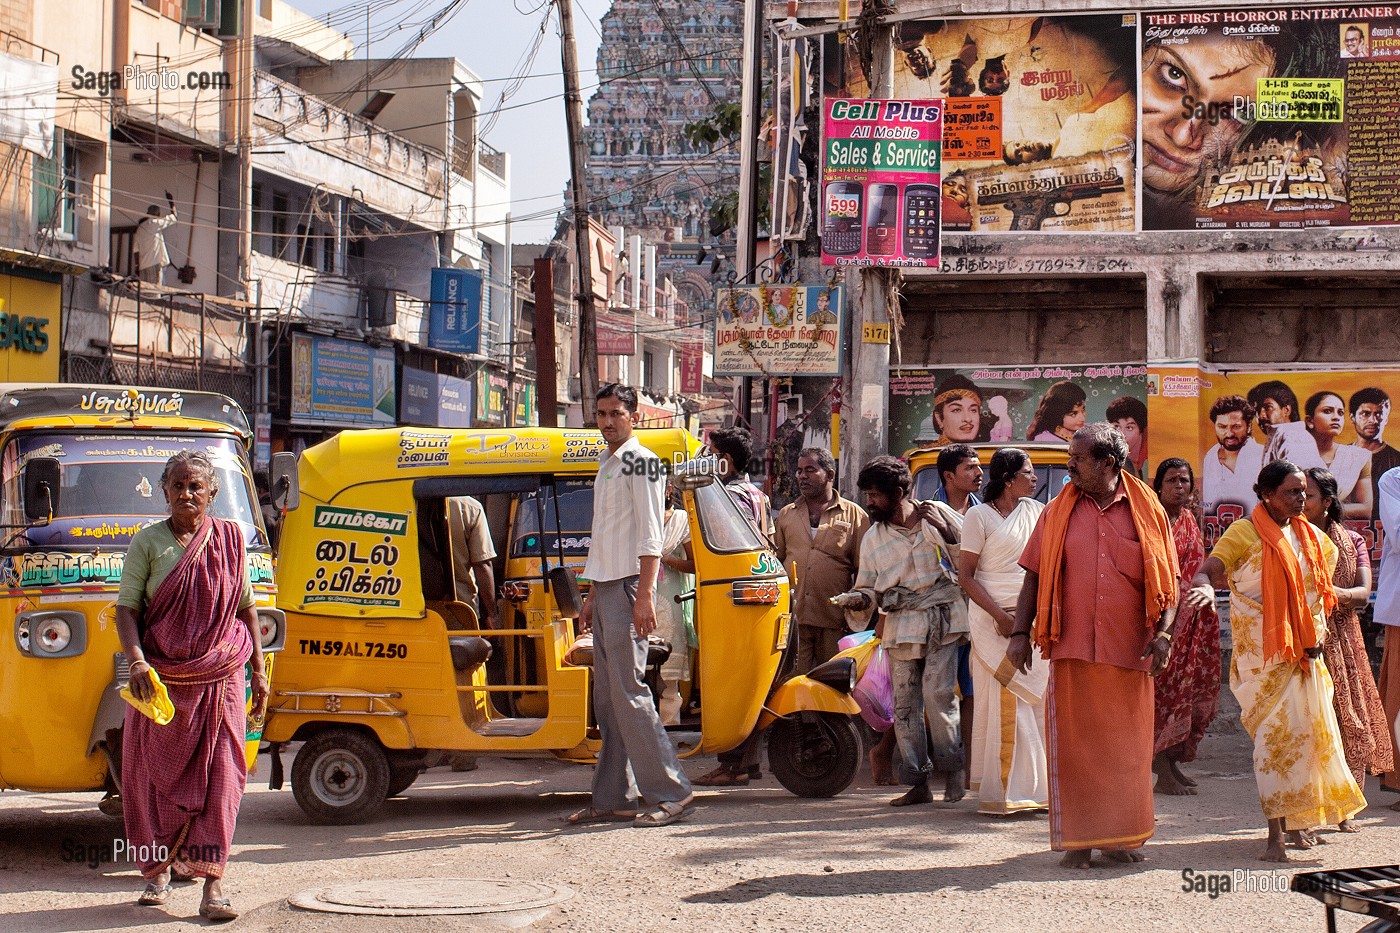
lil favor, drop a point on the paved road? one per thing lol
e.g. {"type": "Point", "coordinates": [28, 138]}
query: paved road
{"type": "Point", "coordinates": [749, 859]}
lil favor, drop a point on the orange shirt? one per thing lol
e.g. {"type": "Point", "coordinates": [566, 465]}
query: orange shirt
{"type": "Point", "coordinates": [1103, 619]}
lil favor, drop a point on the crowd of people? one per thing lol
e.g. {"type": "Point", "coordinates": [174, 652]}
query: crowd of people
{"type": "Point", "coordinates": [1109, 583]}
{"type": "Point", "coordinates": [1067, 657]}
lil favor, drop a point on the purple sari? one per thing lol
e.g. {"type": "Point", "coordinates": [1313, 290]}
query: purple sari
{"type": "Point", "coordinates": [182, 783]}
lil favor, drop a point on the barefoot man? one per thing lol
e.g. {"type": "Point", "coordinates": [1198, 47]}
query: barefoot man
{"type": "Point", "coordinates": [1099, 600]}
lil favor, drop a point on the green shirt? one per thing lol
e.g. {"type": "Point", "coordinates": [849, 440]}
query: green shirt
{"type": "Point", "coordinates": [150, 557]}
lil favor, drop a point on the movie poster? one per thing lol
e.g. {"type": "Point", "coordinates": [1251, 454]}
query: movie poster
{"type": "Point", "coordinates": [779, 330]}
{"type": "Point", "coordinates": [1274, 118]}
{"type": "Point", "coordinates": [1016, 404]}
{"type": "Point", "coordinates": [1041, 116]}
{"type": "Point", "coordinates": [1239, 421]}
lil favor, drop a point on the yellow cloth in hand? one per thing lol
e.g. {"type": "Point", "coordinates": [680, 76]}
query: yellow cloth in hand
{"type": "Point", "coordinates": [158, 707]}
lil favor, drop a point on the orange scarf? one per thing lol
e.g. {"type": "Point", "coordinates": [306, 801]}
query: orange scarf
{"type": "Point", "coordinates": [1160, 573]}
{"type": "Point", "coordinates": [1289, 629]}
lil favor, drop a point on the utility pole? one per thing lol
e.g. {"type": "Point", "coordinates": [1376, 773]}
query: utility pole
{"type": "Point", "coordinates": [751, 102]}
{"type": "Point", "coordinates": [876, 301]}
{"type": "Point", "coordinates": [587, 318]}
{"type": "Point", "coordinates": [547, 380]}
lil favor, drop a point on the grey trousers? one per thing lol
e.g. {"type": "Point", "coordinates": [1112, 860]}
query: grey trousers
{"type": "Point", "coordinates": [638, 761]}
{"type": "Point", "coordinates": [924, 691]}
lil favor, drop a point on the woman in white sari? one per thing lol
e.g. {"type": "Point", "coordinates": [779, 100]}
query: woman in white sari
{"type": "Point", "coordinates": [1009, 772]}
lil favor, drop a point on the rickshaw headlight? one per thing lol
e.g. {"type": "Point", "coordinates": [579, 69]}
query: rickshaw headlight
{"type": "Point", "coordinates": [52, 636]}
{"type": "Point", "coordinates": [272, 628]}
{"type": "Point", "coordinates": [838, 673]}
{"type": "Point", "coordinates": [51, 633]}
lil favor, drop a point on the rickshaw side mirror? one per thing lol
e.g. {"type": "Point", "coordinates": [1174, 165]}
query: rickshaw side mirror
{"type": "Point", "coordinates": [285, 489]}
{"type": "Point", "coordinates": [41, 482]}
{"type": "Point", "coordinates": [564, 585]}
{"type": "Point", "coordinates": [695, 473]}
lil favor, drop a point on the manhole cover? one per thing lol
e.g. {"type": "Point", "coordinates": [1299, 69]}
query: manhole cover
{"type": "Point", "coordinates": [418, 897]}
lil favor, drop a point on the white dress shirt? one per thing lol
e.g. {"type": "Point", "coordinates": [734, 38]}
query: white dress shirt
{"type": "Point", "coordinates": [1221, 484]}
{"type": "Point", "coordinates": [1388, 587]}
{"type": "Point", "coordinates": [628, 499]}
{"type": "Point", "coordinates": [149, 242]}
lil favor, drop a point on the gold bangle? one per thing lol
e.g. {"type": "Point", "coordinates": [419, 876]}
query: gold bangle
{"type": "Point", "coordinates": [1166, 635]}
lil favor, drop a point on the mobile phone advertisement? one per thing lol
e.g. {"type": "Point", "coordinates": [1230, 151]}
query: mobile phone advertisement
{"type": "Point", "coordinates": [880, 182]}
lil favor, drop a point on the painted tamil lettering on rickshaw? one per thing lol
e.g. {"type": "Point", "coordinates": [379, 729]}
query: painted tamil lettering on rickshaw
{"type": "Point", "coordinates": [583, 449]}
{"type": "Point", "coordinates": [420, 449]}
{"type": "Point", "coordinates": [55, 568]}
{"type": "Point", "coordinates": [365, 577]}
{"type": "Point", "coordinates": [109, 530]}
{"type": "Point", "coordinates": [260, 569]}
{"type": "Point", "coordinates": [394, 523]}
{"type": "Point", "coordinates": [142, 403]}
{"type": "Point", "coordinates": [59, 568]}
{"type": "Point", "coordinates": [766, 563]}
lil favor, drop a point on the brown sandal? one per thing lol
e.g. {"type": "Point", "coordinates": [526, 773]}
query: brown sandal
{"type": "Point", "coordinates": [590, 815]}
{"type": "Point", "coordinates": [722, 777]}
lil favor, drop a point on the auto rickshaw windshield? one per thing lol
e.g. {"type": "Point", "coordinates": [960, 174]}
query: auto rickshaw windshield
{"type": "Point", "coordinates": [572, 502]}
{"type": "Point", "coordinates": [110, 486]}
{"type": "Point", "coordinates": [725, 528]}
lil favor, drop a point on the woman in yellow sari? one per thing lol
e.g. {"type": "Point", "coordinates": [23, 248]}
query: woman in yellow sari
{"type": "Point", "coordinates": [1279, 571]}
{"type": "Point", "coordinates": [1008, 773]}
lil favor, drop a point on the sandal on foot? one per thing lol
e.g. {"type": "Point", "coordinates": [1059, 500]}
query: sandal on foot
{"type": "Point", "coordinates": [666, 812]}
{"type": "Point", "coordinates": [722, 777]}
{"type": "Point", "coordinates": [220, 911]}
{"type": "Point", "coordinates": [591, 815]}
{"type": "Point", "coordinates": [155, 895]}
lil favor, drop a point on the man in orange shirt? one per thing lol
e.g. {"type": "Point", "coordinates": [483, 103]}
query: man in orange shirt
{"type": "Point", "coordinates": [1099, 599]}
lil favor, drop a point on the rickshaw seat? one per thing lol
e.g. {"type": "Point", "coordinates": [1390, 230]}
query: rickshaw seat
{"type": "Point", "coordinates": [658, 651]}
{"type": "Point", "coordinates": [468, 651]}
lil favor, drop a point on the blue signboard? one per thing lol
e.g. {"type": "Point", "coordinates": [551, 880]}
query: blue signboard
{"type": "Point", "coordinates": [341, 381]}
{"type": "Point", "coordinates": [434, 400]}
{"type": "Point", "coordinates": [454, 311]}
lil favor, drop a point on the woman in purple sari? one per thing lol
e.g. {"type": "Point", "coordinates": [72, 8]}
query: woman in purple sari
{"type": "Point", "coordinates": [186, 611]}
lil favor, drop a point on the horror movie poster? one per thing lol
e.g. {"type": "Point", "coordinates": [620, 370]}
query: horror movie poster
{"type": "Point", "coordinates": [1271, 118]}
{"type": "Point", "coordinates": [1040, 122]}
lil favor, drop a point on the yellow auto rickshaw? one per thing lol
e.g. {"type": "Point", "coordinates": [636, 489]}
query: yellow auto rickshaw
{"type": "Point", "coordinates": [1050, 462]}
{"type": "Point", "coordinates": [385, 670]}
{"type": "Point", "coordinates": [80, 470]}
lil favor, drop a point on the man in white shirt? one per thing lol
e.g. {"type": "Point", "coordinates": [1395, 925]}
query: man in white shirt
{"type": "Point", "coordinates": [1388, 614]}
{"type": "Point", "coordinates": [1231, 466]}
{"type": "Point", "coordinates": [149, 242]}
{"type": "Point", "coordinates": [637, 761]}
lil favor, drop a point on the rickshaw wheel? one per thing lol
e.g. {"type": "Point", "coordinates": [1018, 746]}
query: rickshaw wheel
{"type": "Point", "coordinates": [814, 758]}
{"type": "Point", "coordinates": [340, 776]}
{"type": "Point", "coordinates": [401, 777]}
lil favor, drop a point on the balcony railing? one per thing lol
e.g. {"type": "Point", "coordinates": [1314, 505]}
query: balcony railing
{"type": "Point", "coordinates": [492, 159]}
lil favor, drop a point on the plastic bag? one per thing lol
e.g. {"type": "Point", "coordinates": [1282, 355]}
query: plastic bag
{"type": "Point", "coordinates": [874, 692]}
{"type": "Point", "coordinates": [855, 639]}
{"type": "Point", "coordinates": [861, 652]}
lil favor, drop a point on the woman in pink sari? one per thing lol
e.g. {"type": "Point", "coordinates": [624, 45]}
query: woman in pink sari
{"type": "Point", "coordinates": [186, 611]}
{"type": "Point", "coordinates": [1187, 691]}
